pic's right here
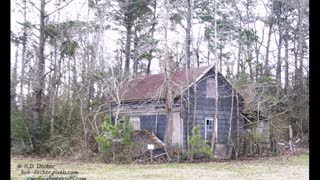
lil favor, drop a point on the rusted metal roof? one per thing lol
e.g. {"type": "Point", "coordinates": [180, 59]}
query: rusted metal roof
{"type": "Point", "coordinates": [152, 86]}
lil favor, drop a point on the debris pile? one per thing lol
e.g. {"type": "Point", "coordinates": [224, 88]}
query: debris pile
{"type": "Point", "coordinates": [141, 153]}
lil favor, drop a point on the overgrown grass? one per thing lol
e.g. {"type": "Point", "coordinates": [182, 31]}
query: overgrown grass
{"type": "Point", "coordinates": [294, 167]}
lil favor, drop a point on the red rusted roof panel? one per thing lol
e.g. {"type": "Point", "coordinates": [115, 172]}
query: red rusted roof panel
{"type": "Point", "coordinates": [151, 86]}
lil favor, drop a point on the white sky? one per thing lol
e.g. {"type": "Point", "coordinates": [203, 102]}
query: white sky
{"type": "Point", "coordinates": [78, 10]}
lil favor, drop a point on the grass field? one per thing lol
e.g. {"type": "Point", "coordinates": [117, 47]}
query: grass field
{"type": "Point", "coordinates": [295, 167]}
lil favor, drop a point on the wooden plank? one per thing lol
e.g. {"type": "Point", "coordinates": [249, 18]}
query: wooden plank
{"type": "Point", "coordinates": [144, 111]}
{"type": "Point", "coordinates": [177, 136]}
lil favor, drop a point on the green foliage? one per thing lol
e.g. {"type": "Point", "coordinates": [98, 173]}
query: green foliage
{"type": "Point", "coordinates": [198, 146]}
{"type": "Point", "coordinates": [20, 142]}
{"type": "Point", "coordinates": [140, 8]}
{"type": "Point", "coordinates": [204, 11]}
{"type": "Point", "coordinates": [60, 145]}
{"type": "Point", "coordinates": [18, 126]}
{"type": "Point", "coordinates": [26, 24]}
{"type": "Point", "coordinates": [103, 143]}
{"type": "Point", "coordinates": [68, 133]}
{"type": "Point", "coordinates": [108, 132]}
{"type": "Point", "coordinates": [21, 134]}
{"type": "Point", "coordinates": [251, 115]}
{"type": "Point", "coordinates": [208, 33]}
{"type": "Point", "coordinates": [176, 18]}
{"type": "Point", "coordinates": [177, 154]}
{"type": "Point", "coordinates": [240, 146]}
{"type": "Point", "coordinates": [68, 48]}
{"type": "Point", "coordinates": [132, 10]}
{"type": "Point", "coordinates": [62, 30]}
{"type": "Point", "coordinates": [51, 31]}
{"type": "Point", "coordinates": [115, 140]}
{"type": "Point", "coordinates": [127, 131]}
{"type": "Point", "coordinates": [264, 79]}
{"type": "Point", "coordinates": [243, 78]}
{"type": "Point", "coordinates": [146, 56]}
{"type": "Point", "coordinates": [272, 98]}
{"type": "Point", "coordinates": [248, 36]}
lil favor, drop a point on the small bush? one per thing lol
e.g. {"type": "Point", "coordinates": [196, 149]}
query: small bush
{"type": "Point", "coordinates": [115, 141]}
{"type": "Point", "coordinates": [199, 148]}
{"type": "Point", "coordinates": [20, 140]}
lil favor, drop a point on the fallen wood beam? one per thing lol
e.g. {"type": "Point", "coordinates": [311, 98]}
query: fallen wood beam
{"type": "Point", "coordinates": [156, 156]}
{"type": "Point", "coordinates": [167, 153]}
{"type": "Point", "coordinates": [245, 118]}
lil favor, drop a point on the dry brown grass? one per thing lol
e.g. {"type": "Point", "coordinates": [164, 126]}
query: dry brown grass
{"type": "Point", "coordinates": [294, 167]}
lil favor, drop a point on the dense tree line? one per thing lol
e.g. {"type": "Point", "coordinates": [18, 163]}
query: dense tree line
{"type": "Point", "coordinates": [63, 68]}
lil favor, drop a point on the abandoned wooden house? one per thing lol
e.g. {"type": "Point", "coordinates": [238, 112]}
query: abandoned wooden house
{"type": "Point", "coordinates": [143, 102]}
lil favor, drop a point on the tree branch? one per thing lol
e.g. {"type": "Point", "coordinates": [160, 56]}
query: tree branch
{"type": "Point", "coordinates": [58, 9]}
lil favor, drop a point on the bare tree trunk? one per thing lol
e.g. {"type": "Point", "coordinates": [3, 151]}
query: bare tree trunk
{"type": "Point", "coordinates": [119, 59]}
{"type": "Point", "coordinates": [21, 97]}
{"type": "Point", "coordinates": [238, 123]}
{"type": "Point", "coordinates": [169, 107]}
{"type": "Point", "coordinates": [23, 57]}
{"type": "Point", "coordinates": [197, 49]}
{"type": "Point", "coordinates": [300, 43]}
{"type": "Point", "coordinates": [90, 87]}
{"type": "Point", "coordinates": [257, 62]}
{"type": "Point", "coordinates": [270, 23]}
{"type": "Point", "coordinates": [69, 80]}
{"type": "Point", "coordinates": [74, 73]}
{"type": "Point", "coordinates": [83, 121]}
{"type": "Point", "coordinates": [169, 115]}
{"type": "Point", "coordinates": [53, 92]}
{"type": "Point", "coordinates": [249, 55]}
{"type": "Point", "coordinates": [295, 52]}
{"type": "Point", "coordinates": [214, 138]}
{"type": "Point", "coordinates": [220, 59]}
{"type": "Point", "coordinates": [249, 60]}
{"type": "Point", "coordinates": [229, 74]}
{"type": "Point", "coordinates": [39, 83]}
{"type": "Point", "coordinates": [90, 77]}
{"type": "Point", "coordinates": [251, 71]}
{"type": "Point", "coordinates": [55, 86]}
{"type": "Point", "coordinates": [286, 46]}
{"type": "Point", "coordinates": [188, 33]}
{"type": "Point", "coordinates": [230, 119]}
{"type": "Point", "coordinates": [135, 54]}
{"type": "Point", "coordinates": [128, 46]}
{"type": "Point", "coordinates": [278, 71]}
{"type": "Point", "coordinates": [14, 80]}
{"type": "Point", "coordinates": [189, 148]}
{"type": "Point", "coordinates": [239, 50]}
{"type": "Point", "coordinates": [168, 85]}
{"type": "Point", "coordinates": [187, 65]}
{"type": "Point", "coordinates": [114, 152]}
{"type": "Point", "coordinates": [208, 56]}
{"type": "Point", "coordinates": [266, 63]}
{"type": "Point", "coordinates": [194, 104]}
{"type": "Point", "coordinates": [152, 35]}
{"type": "Point", "coordinates": [194, 112]}
{"type": "Point", "coordinates": [149, 63]}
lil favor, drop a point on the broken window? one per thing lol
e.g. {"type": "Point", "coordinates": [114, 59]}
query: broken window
{"type": "Point", "coordinates": [135, 122]}
{"type": "Point", "coordinates": [208, 128]}
{"type": "Point", "coordinates": [210, 91]}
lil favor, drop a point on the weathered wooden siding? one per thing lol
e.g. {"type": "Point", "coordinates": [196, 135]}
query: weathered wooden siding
{"type": "Point", "coordinates": [155, 124]}
{"type": "Point", "coordinates": [153, 118]}
{"type": "Point", "coordinates": [152, 115]}
{"type": "Point", "coordinates": [205, 108]}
